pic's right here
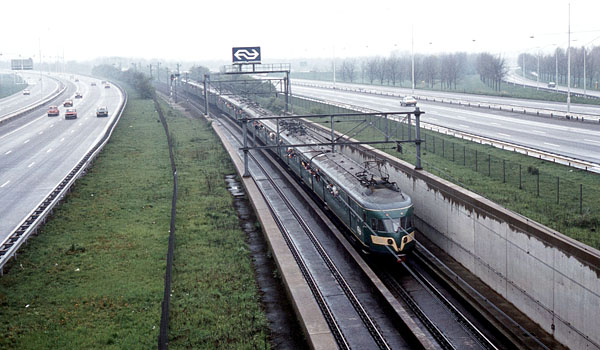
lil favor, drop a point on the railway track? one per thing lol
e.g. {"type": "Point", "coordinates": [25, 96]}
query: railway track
{"type": "Point", "coordinates": [444, 320]}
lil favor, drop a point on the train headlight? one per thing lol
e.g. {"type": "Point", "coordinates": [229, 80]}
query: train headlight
{"type": "Point", "coordinates": [390, 241]}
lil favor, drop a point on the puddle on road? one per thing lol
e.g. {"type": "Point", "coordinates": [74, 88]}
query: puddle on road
{"type": "Point", "coordinates": [285, 332]}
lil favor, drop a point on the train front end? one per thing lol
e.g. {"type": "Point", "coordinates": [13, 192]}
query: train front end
{"type": "Point", "coordinates": [392, 231]}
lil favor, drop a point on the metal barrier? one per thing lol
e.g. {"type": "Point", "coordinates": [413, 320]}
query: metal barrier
{"type": "Point", "coordinates": [36, 218]}
{"type": "Point", "coordinates": [163, 334]}
{"type": "Point", "coordinates": [496, 106]}
{"type": "Point", "coordinates": [59, 91]}
{"type": "Point", "coordinates": [552, 157]}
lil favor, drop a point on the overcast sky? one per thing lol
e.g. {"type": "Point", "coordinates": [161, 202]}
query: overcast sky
{"type": "Point", "coordinates": [207, 30]}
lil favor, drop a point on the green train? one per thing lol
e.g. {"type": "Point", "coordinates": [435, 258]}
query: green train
{"type": "Point", "coordinates": [376, 212]}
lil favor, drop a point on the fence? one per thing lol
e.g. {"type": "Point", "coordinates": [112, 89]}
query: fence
{"type": "Point", "coordinates": [163, 333]}
{"type": "Point", "coordinates": [560, 197]}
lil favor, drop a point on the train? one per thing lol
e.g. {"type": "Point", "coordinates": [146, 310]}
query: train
{"type": "Point", "coordinates": [375, 211]}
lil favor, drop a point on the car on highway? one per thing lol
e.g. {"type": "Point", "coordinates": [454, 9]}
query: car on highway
{"type": "Point", "coordinates": [68, 103]}
{"type": "Point", "coordinates": [53, 111]}
{"type": "Point", "coordinates": [102, 111]}
{"type": "Point", "coordinates": [93, 83]}
{"type": "Point", "coordinates": [76, 80]}
{"type": "Point", "coordinates": [107, 86]}
{"type": "Point", "coordinates": [551, 84]}
{"type": "Point", "coordinates": [408, 101]}
{"type": "Point", "coordinates": [71, 113]}
{"type": "Point", "coordinates": [78, 95]}
{"type": "Point", "coordinates": [26, 92]}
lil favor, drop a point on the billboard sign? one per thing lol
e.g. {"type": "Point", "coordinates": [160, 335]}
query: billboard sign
{"type": "Point", "coordinates": [20, 64]}
{"type": "Point", "coordinates": [246, 55]}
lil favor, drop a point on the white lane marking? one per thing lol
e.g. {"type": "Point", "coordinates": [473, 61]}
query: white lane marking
{"type": "Point", "coordinates": [435, 119]}
{"type": "Point", "coordinates": [495, 124]}
{"type": "Point", "coordinates": [592, 141]}
{"type": "Point", "coordinates": [61, 140]}
{"type": "Point", "coordinates": [459, 117]}
{"type": "Point", "coordinates": [26, 141]}
{"type": "Point", "coordinates": [465, 126]}
{"type": "Point", "coordinates": [30, 165]}
{"type": "Point", "coordinates": [49, 150]}
{"type": "Point", "coordinates": [6, 183]}
{"type": "Point", "coordinates": [9, 152]}
{"type": "Point", "coordinates": [551, 144]}
{"type": "Point", "coordinates": [41, 132]}
{"type": "Point", "coordinates": [80, 124]}
{"type": "Point", "coordinates": [505, 135]}
{"type": "Point", "coordinates": [538, 132]}
{"type": "Point", "coordinates": [72, 131]}
{"type": "Point", "coordinates": [51, 125]}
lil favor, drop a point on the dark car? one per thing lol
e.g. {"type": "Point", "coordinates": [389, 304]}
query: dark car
{"type": "Point", "coordinates": [68, 103]}
{"type": "Point", "coordinates": [71, 113]}
{"type": "Point", "coordinates": [78, 95]}
{"type": "Point", "coordinates": [102, 112]}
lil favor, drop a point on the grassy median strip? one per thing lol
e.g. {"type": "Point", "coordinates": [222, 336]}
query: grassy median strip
{"type": "Point", "coordinates": [94, 277]}
{"type": "Point", "coordinates": [215, 303]}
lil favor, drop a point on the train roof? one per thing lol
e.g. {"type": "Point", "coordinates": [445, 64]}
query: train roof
{"type": "Point", "coordinates": [343, 171]}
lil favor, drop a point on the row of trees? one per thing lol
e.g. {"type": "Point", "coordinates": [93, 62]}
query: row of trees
{"type": "Point", "coordinates": [551, 65]}
{"type": "Point", "coordinates": [446, 69]}
{"type": "Point", "coordinates": [140, 81]}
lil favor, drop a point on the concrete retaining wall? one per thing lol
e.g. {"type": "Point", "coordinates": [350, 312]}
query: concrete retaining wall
{"type": "Point", "coordinates": [550, 277]}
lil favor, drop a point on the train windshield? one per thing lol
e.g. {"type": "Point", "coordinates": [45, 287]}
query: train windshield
{"type": "Point", "coordinates": [394, 225]}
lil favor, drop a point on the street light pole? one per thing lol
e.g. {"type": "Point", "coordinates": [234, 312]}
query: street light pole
{"type": "Point", "coordinates": [537, 87]}
{"type": "Point", "coordinates": [412, 42]}
{"type": "Point", "coordinates": [584, 81]}
{"type": "Point", "coordinates": [556, 69]}
{"type": "Point", "coordinates": [569, 66]}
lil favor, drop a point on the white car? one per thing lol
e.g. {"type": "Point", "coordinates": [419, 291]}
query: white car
{"type": "Point", "coordinates": [408, 101]}
{"type": "Point", "coordinates": [26, 92]}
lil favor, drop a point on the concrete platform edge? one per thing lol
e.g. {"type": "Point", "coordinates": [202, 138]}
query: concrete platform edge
{"type": "Point", "coordinates": [314, 326]}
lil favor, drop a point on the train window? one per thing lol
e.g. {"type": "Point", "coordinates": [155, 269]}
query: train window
{"type": "Point", "coordinates": [377, 225]}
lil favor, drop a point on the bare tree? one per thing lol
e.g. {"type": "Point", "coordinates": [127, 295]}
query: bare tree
{"type": "Point", "coordinates": [349, 69]}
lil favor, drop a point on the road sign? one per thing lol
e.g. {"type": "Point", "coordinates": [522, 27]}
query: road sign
{"type": "Point", "coordinates": [246, 54]}
{"type": "Point", "coordinates": [19, 64]}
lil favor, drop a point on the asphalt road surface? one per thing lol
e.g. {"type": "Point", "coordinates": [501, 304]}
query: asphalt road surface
{"type": "Point", "coordinates": [568, 138]}
{"type": "Point", "coordinates": [37, 151]}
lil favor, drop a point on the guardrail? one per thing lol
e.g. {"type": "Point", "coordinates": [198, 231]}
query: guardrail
{"type": "Point", "coordinates": [57, 92]}
{"type": "Point", "coordinates": [532, 152]}
{"type": "Point", "coordinates": [496, 106]}
{"type": "Point", "coordinates": [37, 217]}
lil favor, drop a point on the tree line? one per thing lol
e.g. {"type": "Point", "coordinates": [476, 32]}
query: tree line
{"type": "Point", "coordinates": [553, 66]}
{"type": "Point", "coordinates": [446, 69]}
{"type": "Point", "coordinates": [140, 81]}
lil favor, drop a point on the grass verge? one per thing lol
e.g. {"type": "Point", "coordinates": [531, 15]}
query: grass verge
{"type": "Point", "coordinates": [10, 84]}
{"type": "Point", "coordinates": [215, 303]}
{"type": "Point", "coordinates": [94, 277]}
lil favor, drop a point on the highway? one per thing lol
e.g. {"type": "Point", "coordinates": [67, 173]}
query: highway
{"type": "Point", "coordinates": [37, 151]}
{"type": "Point", "coordinates": [575, 108]}
{"type": "Point", "coordinates": [573, 139]}
{"type": "Point", "coordinates": [40, 86]}
{"type": "Point", "coordinates": [517, 79]}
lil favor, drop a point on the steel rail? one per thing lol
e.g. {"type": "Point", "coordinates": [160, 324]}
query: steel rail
{"type": "Point", "coordinates": [370, 324]}
{"type": "Point", "coordinates": [459, 316]}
